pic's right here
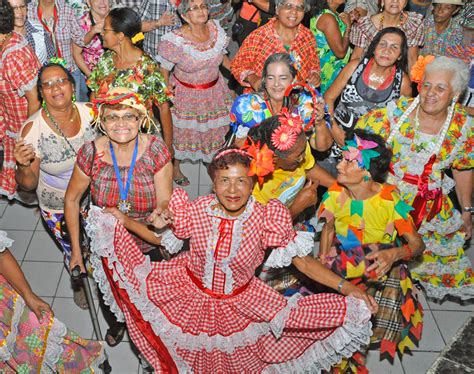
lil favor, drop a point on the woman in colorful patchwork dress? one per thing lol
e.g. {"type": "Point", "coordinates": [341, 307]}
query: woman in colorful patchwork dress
{"type": "Point", "coordinates": [430, 135]}
{"type": "Point", "coordinates": [364, 216]}
{"type": "Point", "coordinates": [125, 65]}
{"type": "Point", "coordinates": [205, 311]}
{"type": "Point", "coordinates": [202, 99]}
{"type": "Point", "coordinates": [31, 339]}
{"type": "Point", "coordinates": [331, 31]}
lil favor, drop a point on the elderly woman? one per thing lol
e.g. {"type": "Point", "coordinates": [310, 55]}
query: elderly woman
{"type": "Point", "coordinates": [129, 173]}
{"type": "Point", "coordinates": [250, 109]}
{"type": "Point", "coordinates": [392, 14]}
{"type": "Point", "coordinates": [125, 65]}
{"type": "Point", "coordinates": [284, 33]}
{"type": "Point", "coordinates": [46, 151]}
{"type": "Point", "coordinates": [18, 94]}
{"type": "Point", "coordinates": [430, 135]}
{"type": "Point", "coordinates": [364, 85]}
{"type": "Point", "coordinates": [42, 344]}
{"type": "Point", "coordinates": [202, 99]}
{"type": "Point", "coordinates": [441, 31]}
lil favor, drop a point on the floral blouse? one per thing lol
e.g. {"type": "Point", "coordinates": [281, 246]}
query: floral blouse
{"type": "Point", "coordinates": [94, 50]}
{"type": "Point", "coordinates": [143, 78]}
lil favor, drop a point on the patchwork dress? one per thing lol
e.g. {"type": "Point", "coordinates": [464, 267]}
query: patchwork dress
{"type": "Point", "coordinates": [205, 311]}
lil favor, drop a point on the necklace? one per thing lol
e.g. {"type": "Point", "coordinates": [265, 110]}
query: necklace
{"type": "Point", "coordinates": [123, 204]}
{"type": "Point", "coordinates": [400, 21]}
{"type": "Point", "coordinates": [58, 129]}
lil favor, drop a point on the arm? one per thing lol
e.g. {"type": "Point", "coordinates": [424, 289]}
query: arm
{"type": "Point", "coordinates": [262, 5]}
{"type": "Point", "coordinates": [321, 176]}
{"type": "Point", "coordinates": [357, 53]}
{"type": "Point", "coordinates": [79, 59]}
{"type": "Point", "coordinates": [167, 19]}
{"type": "Point", "coordinates": [226, 62]}
{"type": "Point", "coordinates": [463, 179]}
{"type": "Point", "coordinates": [325, 242]}
{"type": "Point", "coordinates": [321, 139]}
{"type": "Point", "coordinates": [405, 89]}
{"type": "Point", "coordinates": [328, 25]}
{"type": "Point", "coordinates": [33, 101]}
{"type": "Point", "coordinates": [305, 198]}
{"type": "Point", "coordinates": [75, 190]}
{"type": "Point", "coordinates": [28, 164]}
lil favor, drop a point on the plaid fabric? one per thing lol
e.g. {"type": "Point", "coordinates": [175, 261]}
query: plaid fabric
{"type": "Point", "coordinates": [265, 41]}
{"type": "Point", "coordinates": [67, 30]}
{"type": "Point", "coordinates": [104, 187]}
{"type": "Point", "coordinates": [19, 67]}
{"type": "Point", "coordinates": [178, 304]}
{"type": "Point", "coordinates": [40, 41]}
{"type": "Point", "coordinates": [364, 31]}
{"type": "Point", "coordinates": [152, 10]}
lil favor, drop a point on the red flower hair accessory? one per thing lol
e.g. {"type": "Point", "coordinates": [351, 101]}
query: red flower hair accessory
{"type": "Point", "coordinates": [262, 160]}
{"type": "Point", "coordinates": [284, 138]}
{"type": "Point", "coordinates": [291, 120]}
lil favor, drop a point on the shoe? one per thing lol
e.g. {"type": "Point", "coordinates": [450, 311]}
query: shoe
{"type": "Point", "coordinates": [80, 298]}
{"type": "Point", "coordinates": [113, 340]}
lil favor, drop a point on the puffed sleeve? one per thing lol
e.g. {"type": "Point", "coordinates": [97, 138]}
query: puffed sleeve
{"type": "Point", "coordinates": [464, 158]}
{"type": "Point", "coordinates": [181, 207]}
{"type": "Point", "coordinates": [278, 233]}
{"type": "Point", "coordinates": [168, 51]}
{"type": "Point", "coordinates": [5, 241]}
{"type": "Point", "coordinates": [20, 69]}
{"type": "Point", "coordinates": [84, 158]}
{"type": "Point", "coordinates": [160, 152]}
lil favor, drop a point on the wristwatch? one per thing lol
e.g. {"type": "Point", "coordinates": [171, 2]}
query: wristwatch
{"type": "Point", "coordinates": [469, 209]}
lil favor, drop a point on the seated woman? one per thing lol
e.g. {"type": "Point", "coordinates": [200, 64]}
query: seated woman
{"type": "Point", "coordinates": [364, 217]}
{"type": "Point", "coordinates": [129, 173]}
{"type": "Point", "coordinates": [278, 74]}
{"type": "Point", "coordinates": [46, 152]}
{"type": "Point", "coordinates": [205, 311]}
{"type": "Point", "coordinates": [32, 340]}
{"type": "Point", "coordinates": [428, 136]}
{"type": "Point", "coordinates": [379, 78]}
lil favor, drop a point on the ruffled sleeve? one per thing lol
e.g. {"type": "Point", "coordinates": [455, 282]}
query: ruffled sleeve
{"type": "Point", "coordinates": [168, 51]}
{"type": "Point", "coordinates": [279, 234]}
{"type": "Point", "coordinates": [160, 153]}
{"type": "Point", "coordinates": [181, 207]}
{"type": "Point", "coordinates": [84, 158]}
{"type": "Point", "coordinates": [5, 241]}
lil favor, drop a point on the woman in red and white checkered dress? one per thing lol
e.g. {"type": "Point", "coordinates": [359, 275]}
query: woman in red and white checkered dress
{"type": "Point", "coordinates": [205, 311]}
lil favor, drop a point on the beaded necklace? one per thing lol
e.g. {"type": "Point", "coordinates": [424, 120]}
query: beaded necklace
{"type": "Point", "coordinates": [401, 21]}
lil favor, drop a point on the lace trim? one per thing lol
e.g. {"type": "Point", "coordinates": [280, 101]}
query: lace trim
{"type": "Point", "coordinates": [203, 127]}
{"type": "Point", "coordinates": [7, 349]}
{"type": "Point", "coordinates": [5, 241]}
{"type": "Point", "coordinates": [171, 243]}
{"type": "Point", "coordinates": [343, 342]}
{"type": "Point", "coordinates": [300, 246]}
{"type": "Point", "coordinates": [440, 292]}
{"type": "Point", "coordinates": [54, 348]}
{"type": "Point", "coordinates": [222, 40]}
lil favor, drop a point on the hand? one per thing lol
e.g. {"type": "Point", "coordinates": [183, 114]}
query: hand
{"type": "Point", "coordinates": [121, 217]}
{"type": "Point", "coordinates": [37, 306]}
{"type": "Point", "coordinates": [348, 289]}
{"type": "Point", "coordinates": [346, 19]}
{"type": "Point", "coordinates": [160, 218]}
{"type": "Point", "coordinates": [467, 225]}
{"type": "Point", "coordinates": [357, 13]}
{"type": "Point", "coordinates": [167, 19]}
{"type": "Point", "coordinates": [314, 79]}
{"type": "Point", "coordinates": [308, 196]}
{"type": "Point", "coordinates": [383, 261]}
{"type": "Point", "coordinates": [319, 109]}
{"type": "Point", "coordinates": [76, 259]}
{"type": "Point", "coordinates": [98, 27]}
{"type": "Point", "coordinates": [254, 81]}
{"type": "Point", "coordinates": [24, 153]}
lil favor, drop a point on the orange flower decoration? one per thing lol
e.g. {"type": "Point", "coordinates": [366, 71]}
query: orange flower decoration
{"type": "Point", "coordinates": [418, 70]}
{"type": "Point", "coordinates": [262, 160]}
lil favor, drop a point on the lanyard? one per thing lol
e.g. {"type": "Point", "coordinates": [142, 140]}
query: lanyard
{"type": "Point", "coordinates": [45, 26]}
{"type": "Point", "coordinates": [124, 191]}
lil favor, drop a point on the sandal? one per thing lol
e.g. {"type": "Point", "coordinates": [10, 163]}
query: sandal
{"type": "Point", "coordinates": [113, 340]}
{"type": "Point", "coordinates": [80, 298]}
{"type": "Point", "coordinates": [182, 181]}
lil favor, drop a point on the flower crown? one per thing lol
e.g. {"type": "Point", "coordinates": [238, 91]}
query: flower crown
{"type": "Point", "coordinates": [418, 70]}
{"type": "Point", "coordinates": [360, 150]}
{"type": "Point", "coordinates": [284, 137]}
{"type": "Point", "coordinates": [58, 61]}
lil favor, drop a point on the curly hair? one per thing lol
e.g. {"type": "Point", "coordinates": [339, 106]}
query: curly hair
{"type": "Point", "coordinates": [379, 165]}
{"type": "Point", "coordinates": [7, 18]}
{"type": "Point", "coordinates": [223, 162]}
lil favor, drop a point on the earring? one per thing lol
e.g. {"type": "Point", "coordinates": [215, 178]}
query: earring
{"type": "Point", "coordinates": [43, 104]}
{"type": "Point", "coordinates": [73, 98]}
{"type": "Point", "coordinates": [366, 178]}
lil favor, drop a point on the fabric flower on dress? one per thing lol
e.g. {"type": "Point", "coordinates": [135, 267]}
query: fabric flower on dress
{"type": "Point", "coordinates": [262, 160]}
{"type": "Point", "coordinates": [360, 150]}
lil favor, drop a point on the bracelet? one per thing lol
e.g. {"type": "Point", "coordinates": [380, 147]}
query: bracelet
{"type": "Point", "coordinates": [469, 209]}
{"type": "Point", "coordinates": [20, 166]}
{"type": "Point", "coordinates": [339, 286]}
{"type": "Point", "coordinates": [409, 256]}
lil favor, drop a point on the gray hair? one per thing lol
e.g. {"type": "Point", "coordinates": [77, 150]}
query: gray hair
{"type": "Point", "coordinates": [307, 5]}
{"type": "Point", "coordinates": [457, 67]}
{"type": "Point", "coordinates": [183, 6]}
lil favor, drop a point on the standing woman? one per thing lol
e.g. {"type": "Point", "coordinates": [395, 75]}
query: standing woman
{"type": "Point", "coordinates": [332, 32]}
{"type": "Point", "coordinates": [125, 65]}
{"type": "Point", "coordinates": [202, 100]}
{"type": "Point", "coordinates": [18, 96]}
{"type": "Point", "coordinates": [392, 14]}
{"type": "Point", "coordinates": [46, 151]}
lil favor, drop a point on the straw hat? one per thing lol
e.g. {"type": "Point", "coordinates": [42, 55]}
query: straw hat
{"type": "Point", "coordinates": [453, 2]}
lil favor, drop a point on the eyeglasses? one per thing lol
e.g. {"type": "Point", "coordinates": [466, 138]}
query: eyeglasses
{"type": "Point", "coordinates": [289, 6]}
{"type": "Point", "coordinates": [127, 118]}
{"type": "Point", "coordinates": [49, 85]}
{"type": "Point", "coordinates": [19, 8]}
{"type": "Point", "coordinates": [203, 7]}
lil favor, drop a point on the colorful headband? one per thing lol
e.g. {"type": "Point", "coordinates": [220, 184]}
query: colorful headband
{"type": "Point", "coordinates": [58, 61]}
{"type": "Point", "coordinates": [360, 150]}
{"type": "Point", "coordinates": [418, 70]}
{"type": "Point", "coordinates": [231, 150]}
{"type": "Point", "coordinates": [262, 160]}
{"type": "Point", "coordinates": [284, 137]}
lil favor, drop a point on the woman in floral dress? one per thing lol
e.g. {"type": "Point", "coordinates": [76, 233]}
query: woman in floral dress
{"type": "Point", "coordinates": [202, 99]}
{"type": "Point", "coordinates": [429, 135]}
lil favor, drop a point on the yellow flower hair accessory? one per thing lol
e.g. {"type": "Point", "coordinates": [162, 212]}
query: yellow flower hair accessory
{"type": "Point", "coordinates": [138, 37]}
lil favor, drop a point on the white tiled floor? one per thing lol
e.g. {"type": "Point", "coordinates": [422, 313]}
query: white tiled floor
{"type": "Point", "coordinates": [41, 261]}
